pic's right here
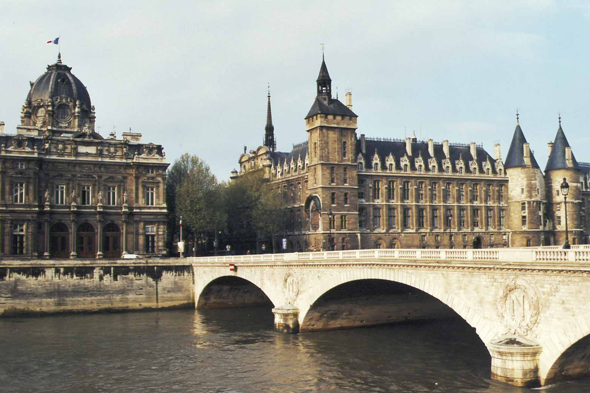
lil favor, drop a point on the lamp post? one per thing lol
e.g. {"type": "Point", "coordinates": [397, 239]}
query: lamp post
{"type": "Point", "coordinates": [181, 242]}
{"type": "Point", "coordinates": [330, 220]}
{"type": "Point", "coordinates": [565, 189]}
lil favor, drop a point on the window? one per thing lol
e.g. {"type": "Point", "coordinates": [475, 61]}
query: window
{"type": "Point", "coordinates": [460, 170]}
{"type": "Point", "coordinates": [406, 168]}
{"type": "Point", "coordinates": [345, 176]}
{"type": "Point", "coordinates": [447, 193]}
{"type": "Point", "coordinates": [60, 194]}
{"type": "Point", "coordinates": [475, 193]}
{"type": "Point", "coordinates": [558, 220]}
{"type": "Point", "coordinates": [528, 242]}
{"type": "Point", "coordinates": [391, 219]}
{"type": "Point", "coordinates": [488, 194]}
{"type": "Point", "coordinates": [391, 190]}
{"type": "Point", "coordinates": [407, 218]}
{"type": "Point", "coordinates": [523, 221]}
{"type": "Point", "coordinates": [111, 195]}
{"type": "Point", "coordinates": [20, 165]}
{"type": "Point", "coordinates": [434, 189]}
{"type": "Point", "coordinates": [420, 218]}
{"type": "Point", "coordinates": [435, 218]}
{"type": "Point", "coordinates": [86, 196]}
{"type": "Point", "coordinates": [346, 198]}
{"type": "Point", "coordinates": [18, 193]}
{"type": "Point", "coordinates": [449, 215]}
{"type": "Point", "coordinates": [406, 190]}
{"type": "Point", "coordinates": [489, 218]}
{"type": "Point", "coordinates": [343, 222]}
{"type": "Point", "coordinates": [375, 166]}
{"type": "Point", "coordinates": [361, 189]}
{"type": "Point", "coordinates": [332, 175]}
{"type": "Point", "coordinates": [151, 170]}
{"type": "Point", "coordinates": [419, 168]}
{"type": "Point", "coordinates": [461, 193]}
{"type": "Point", "coordinates": [476, 218]}
{"type": "Point", "coordinates": [377, 218]}
{"type": "Point", "coordinates": [150, 239]}
{"type": "Point", "coordinates": [502, 217]}
{"type": "Point", "coordinates": [333, 198]}
{"type": "Point", "coordinates": [344, 149]}
{"type": "Point", "coordinates": [461, 218]}
{"type": "Point", "coordinates": [390, 167]}
{"type": "Point", "coordinates": [18, 239]}
{"type": "Point", "coordinates": [361, 166]}
{"type": "Point", "coordinates": [150, 196]}
{"type": "Point", "coordinates": [362, 221]}
{"type": "Point", "coordinates": [376, 190]}
{"type": "Point", "coordinates": [420, 191]}
{"type": "Point", "coordinates": [501, 194]}
{"type": "Point", "coordinates": [315, 150]}
{"type": "Point", "coordinates": [523, 207]}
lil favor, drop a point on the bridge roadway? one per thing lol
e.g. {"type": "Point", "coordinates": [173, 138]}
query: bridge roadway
{"type": "Point", "coordinates": [530, 307]}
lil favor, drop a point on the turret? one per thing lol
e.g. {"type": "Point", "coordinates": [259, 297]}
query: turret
{"type": "Point", "coordinates": [562, 165]}
{"type": "Point", "coordinates": [526, 194]}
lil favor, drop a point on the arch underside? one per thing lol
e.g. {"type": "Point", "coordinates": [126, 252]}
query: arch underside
{"type": "Point", "coordinates": [573, 363]}
{"type": "Point", "coordinates": [231, 292]}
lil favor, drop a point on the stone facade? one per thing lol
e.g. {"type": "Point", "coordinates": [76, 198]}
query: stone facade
{"type": "Point", "coordinates": [344, 191]}
{"type": "Point", "coordinates": [67, 192]}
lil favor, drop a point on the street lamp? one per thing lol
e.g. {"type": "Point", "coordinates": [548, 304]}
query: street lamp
{"type": "Point", "coordinates": [330, 221]}
{"type": "Point", "coordinates": [565, 189]}
{"type": "Point", "coordinates": [181, 243]}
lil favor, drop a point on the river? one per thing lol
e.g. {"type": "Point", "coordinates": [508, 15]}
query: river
{"type": "Point", "coordinates": [237, 350]}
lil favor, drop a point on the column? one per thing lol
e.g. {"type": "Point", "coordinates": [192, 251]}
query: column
{"type": "Point", "coordinates": [286, 319]}
{"type": "Point", "coordinates": [515, 360]}
{"type": "Point", "coordinates": [124, 235]}
{"type": "Point", "coordinates": [46, 254]}
{"type": "Point", "coordinates": [73, 238]}
{"type": "Point", "coordinates": [99, 237]}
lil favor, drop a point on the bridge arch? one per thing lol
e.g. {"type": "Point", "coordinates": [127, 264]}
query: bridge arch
{"type": "Point", "coordinates": [484, 328]}
{"type": "Point", "coordinates": [569, 360]}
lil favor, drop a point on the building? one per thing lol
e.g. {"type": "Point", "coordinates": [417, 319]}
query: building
{"type": "Point", "coordinates": [345, 191]}
{"type": "Point", "coordinates": [67, 192]}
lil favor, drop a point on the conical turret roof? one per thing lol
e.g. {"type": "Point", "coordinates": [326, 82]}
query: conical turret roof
{"type": "Point", "coordinates": [557, 158]}
{"type": "Point", "coordinates": [515, 157]}
{"type": "Point", "coordinates": [324, 74]}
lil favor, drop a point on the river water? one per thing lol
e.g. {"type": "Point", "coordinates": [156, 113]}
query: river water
{"type": "Point", "coordinates": [237, 350]}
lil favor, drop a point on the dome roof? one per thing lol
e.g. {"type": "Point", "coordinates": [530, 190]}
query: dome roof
{"type": "Point", "coordinates": [59, 81]}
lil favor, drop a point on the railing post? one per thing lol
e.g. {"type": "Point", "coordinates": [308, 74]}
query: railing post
{"type": "Point", "coordinates": [418, 254]}
{"type": "Point", "coordinates": [470, 255]}
{"type": "Point", "coordinates": [571, 255]}
{"type": "Point", "coordinates": [443, 254]}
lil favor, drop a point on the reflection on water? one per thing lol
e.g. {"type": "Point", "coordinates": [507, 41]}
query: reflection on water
{"type": "Point", "coordinates": [237, 350]}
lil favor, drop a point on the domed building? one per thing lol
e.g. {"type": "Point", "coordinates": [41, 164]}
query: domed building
{"type": "Point", "coordinates": [68, 192]}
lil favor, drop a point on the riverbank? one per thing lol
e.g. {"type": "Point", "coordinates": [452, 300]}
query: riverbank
{"type": "Point", "coordinates": [38, 287]}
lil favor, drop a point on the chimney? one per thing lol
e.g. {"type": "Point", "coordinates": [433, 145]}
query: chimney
{"type": "Point", "coordinates": [409, 146]}
{"type": "Point", "coordinates": [568, 157]}
{"type": "Point", "coordinates": [245, 149]}
{"type": "Point", "coordinates": [550, 148]}
{"type": "Point", "coordinates": [497, 152]}
{"type": "Point", "coordinates": [473, 150]}
{"type": "Point", "coordinates": [363, 145]}
{"type": "Point", "coordinates": [526, 153]}
{"type": "Point", "coordinates": [1, 127]}
{"type": "Point", "coordinates": [446, 149]}
{"type": "Point", "coordinates": [431, 147]}
{"type": "Point", "coordinates": [349, 99]}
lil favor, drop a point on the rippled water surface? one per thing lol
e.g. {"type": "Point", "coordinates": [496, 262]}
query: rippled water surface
{"type": "Point", "coordinates": [238, 351]}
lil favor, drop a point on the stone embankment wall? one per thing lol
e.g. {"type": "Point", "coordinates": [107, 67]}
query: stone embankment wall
{"type": "Point", "coordinates": [39, 287]}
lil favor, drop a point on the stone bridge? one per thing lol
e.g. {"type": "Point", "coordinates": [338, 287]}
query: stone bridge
{"type": "Point", "coordinates": [530, 307]}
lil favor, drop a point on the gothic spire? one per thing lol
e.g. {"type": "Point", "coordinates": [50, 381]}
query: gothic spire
{"type": "Point", "coordinates": [269, 135]}
{"type": "Point", "coordinates": [516, 156]}
{"type": "Point", "coordinates": [324, 83]}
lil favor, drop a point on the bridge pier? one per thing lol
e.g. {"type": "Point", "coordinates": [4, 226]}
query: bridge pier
{"type": "Point", "coordinates": [515, 360]}
{"type": "Point", "coordinates": [286, 319]}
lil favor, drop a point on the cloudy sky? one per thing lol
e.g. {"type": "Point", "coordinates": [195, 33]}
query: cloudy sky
{"type": "Point", "coordinates": [193, 75]}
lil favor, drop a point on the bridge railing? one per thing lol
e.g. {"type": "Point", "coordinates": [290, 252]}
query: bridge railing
{"type": "Point", "coordinates": [500, 254]}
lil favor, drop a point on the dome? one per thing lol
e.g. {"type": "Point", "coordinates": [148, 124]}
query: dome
{"type": "Point", "coordinates": [58, 100]}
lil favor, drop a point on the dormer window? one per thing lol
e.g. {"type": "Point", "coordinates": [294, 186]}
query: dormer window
{"type": "Point", "coordinates": [406, 167]}
{"type": "Point", "coordinates": [375, 167]}
{"type": "Point", "coordinates": [361, 166]}
{"type": "Point", "coordinates": [390, 168]}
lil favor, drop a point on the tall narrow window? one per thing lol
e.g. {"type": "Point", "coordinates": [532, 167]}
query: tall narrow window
{"type": "Point", "coordinates": [475, 193]}
{"type": "Point", "coordinates": [449, 217]}
{"type": "Point", "coordinates": [406, 190]}
{"type": "Point", "coordinates": [150, 239]}
{"type": "Point", "coordinates": [502, 218]}
{"type": "Point", "coordinates": [434, 190]}
{"type": "Point", "coordinates": [435, 218]}
{"type": "Point", "coordinates": [344, 149]}
{"type": "Point", "coordinates": [391, 190]}
{"type": "Point", "coordinates": [343, 222]}
{"type": "Point", "coordinates": [60, 194]}
{"type": "Point", "coordinates": [376, 218]}
{"type": "Point", "coordinates": [391, 219]}
{"type": "Point", "coordinates": [362, 219]}
{"type": "Point", "coordinates": [333, 198]}
{"type": "Point", "coordinates": [501, 194]}
{"type": "Point", "coordinates": [86, 195]}
{"type": "Point", "coordinates": [489, 218]}
{"type": "Point", "coordinates": [420, 218]}
{"type": "Point", "coordinates": [332, 175]}
{"type": "Point", "coordinates": [150, 196]}
{"type": "Point", "coordinates": [18, 239]}
{"type": "Point", "coordinates": [361, 189]}
{"type": "Point", "coordinates": [407, 218]}
{"type": "Point", "coordinates": [420, 191]}
{"type": "Point", "coordinates": [376, 190]}
{"type": "Point", "coordinates": [331, 222]}
{"type": "Point", "coordinates": [461, 193]}
{"type": "Point", "coordinates": [488, 194]}
{"type": "Point", "coordinates": [346, 198]}
{"type": "Point", "coordinates": [18, 193]}
{"type": "Point", "coordinates": [461, 218]}
{"type": "Point", "coordinates": [476, 218]}
{"type": "Point", "coordinates": [447, 193]}
{"type": "Point", "coordinates": [345, 176]}
{"type": "Point", "coordinates": [111, 195]}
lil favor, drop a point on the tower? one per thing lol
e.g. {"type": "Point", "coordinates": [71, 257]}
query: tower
{"type": "Point", "coordinates": [562, 165]}
{"type": "Point", "coordinates": [526, 193]}
{"type": "Point", "coordinates": [269, 129]}
{"type": "Point", "coordinates": [332, 178]}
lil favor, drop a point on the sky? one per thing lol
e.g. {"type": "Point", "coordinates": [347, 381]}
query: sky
{"type": "Point", "coordinates": [193, 75]}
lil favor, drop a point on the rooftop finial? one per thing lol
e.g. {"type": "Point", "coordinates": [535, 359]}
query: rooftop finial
{"type": "Point", "coordinates": [59, 57]}
{"type": "Point", "coordinates": [323, 47]}
{"type": "Point", "coordinates": [268, 89]}
{"type": "Point", "coordinates": [559, 118]}
{"type": "Point", "coordinates": [517, 117]}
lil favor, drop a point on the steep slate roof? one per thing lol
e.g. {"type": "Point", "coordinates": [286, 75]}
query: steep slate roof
{"type": "Point", "coordinates": [279, 158]}
{"type": "Point", "coordinates": [334, 107]}
{"type": "Point", "coordinates": [420, 148]}
{"type": "Point", "coordinates": [324, 75]}
{"type": "Point", "coordinates": [557, 157]}
{"type": "Point", "coordinates": [515, 157]}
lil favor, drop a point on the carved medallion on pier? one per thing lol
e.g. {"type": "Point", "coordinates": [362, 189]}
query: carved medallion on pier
{"type": "Point", "coordinates": [518, 307]}
{"type": "Point", "coordinates": [291, 288]}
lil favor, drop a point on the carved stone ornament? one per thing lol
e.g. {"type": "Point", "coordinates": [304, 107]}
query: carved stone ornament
{"type": "Point", "coordinates": [291, 288]}
{"type": "Point", "coordinates": [518, 307]}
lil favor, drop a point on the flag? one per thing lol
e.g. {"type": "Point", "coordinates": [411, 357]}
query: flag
{"type": "Point", "coordinates": [55, 41]}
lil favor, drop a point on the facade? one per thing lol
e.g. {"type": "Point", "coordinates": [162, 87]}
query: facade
{"type": "Point", "coordinates": [345, 191]}
{"type": "Point", "coordinates": [67, 192]}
